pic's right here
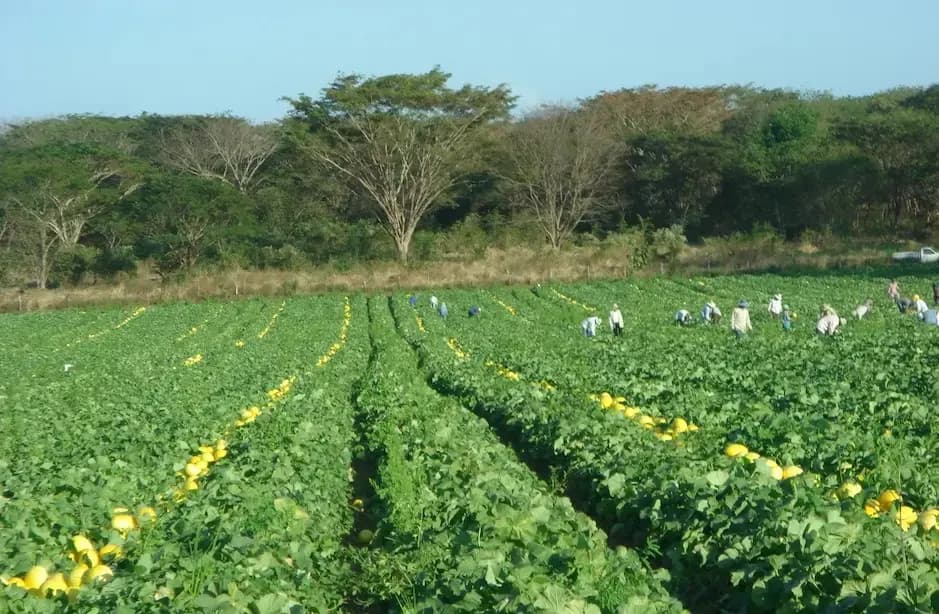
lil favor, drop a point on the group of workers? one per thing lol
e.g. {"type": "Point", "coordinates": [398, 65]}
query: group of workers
{"type": "Point", "coordinates": [441, 308]}
{"type": "Point", "coordinates": [915, 304]}
{"type": "Point", "coordinates": [591, 324]}
{"type": "Point", "coordinates": [828, 322]}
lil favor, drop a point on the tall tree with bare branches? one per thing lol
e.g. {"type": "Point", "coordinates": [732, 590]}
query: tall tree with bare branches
{"type": "Point", "coordinates": [401, 140]}
{"type": "Point", "coordinates": [54, 190]}
{"type": "Point", "coordinates": [561, 166]}
{"type": "Point", "coordinates": [223, 148]}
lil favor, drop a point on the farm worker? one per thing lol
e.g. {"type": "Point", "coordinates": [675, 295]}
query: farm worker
{"type": "Point", "coordinates": [616, 321]}
{"type": "Point", "coordinates": [828, 322]}
{"type": "Point", "coordinates": [787, 318]}
{"type": "Point", "coordinates": [433, 302]}
{"type": "Point", "coordinates": [935, 292]}
{"type": "Point", "coordinates": [474, 311]}
{"type": "Point", "coordinates": [443, 310]}
{"type": "Point", "coordinates": [682, 317]}
{"type": "Point", "coordinates": [710, 313]}
{"type": "Point", "coordinates": [919, 304]}
{"type": "Point", "coordinates": [775, 306]}
{"type": "Point", "coordinates": [893, 290]}
{"type": "Point", "coordinates": [536, 290]}
{"type": "Point", "coordinates": [589, 326]}
{"type": "Point", "coordinates": [413, 300]}
{"type": "Point", "coordinates": [740, 319]}
{"type": "Point", "coordinates": [862, 310]}
{"type": "Point", "coordinates": [930, 317]}
{"type": "Point", "coordinates": [904, 304]}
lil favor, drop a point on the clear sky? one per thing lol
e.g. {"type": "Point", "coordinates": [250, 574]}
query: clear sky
{"type": "Point", "coordinates": [124, 57]}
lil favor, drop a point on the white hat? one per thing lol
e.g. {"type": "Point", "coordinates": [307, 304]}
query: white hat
{"type": "Point", "coordinates": [778, 297]}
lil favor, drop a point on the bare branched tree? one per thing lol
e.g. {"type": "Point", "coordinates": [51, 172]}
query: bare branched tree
{"type": "Point", "coordinates": [223, 148]}
{"type": "Point", "coordinates": [33, 235]}
{"type": "Point", "coordinates": [562, 161]}
{"type": "Point", "coordinates": [69, 212]}
{"type": "Point", "coordinates": [53, 214]}
{"type": "Point", "coordinates": [5, 227]}
{"type": "Point", "coordinates": [405, 165]}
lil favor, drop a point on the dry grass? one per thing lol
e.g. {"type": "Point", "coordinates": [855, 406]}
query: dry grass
{"type": "Point", "coordinates": [516, 266]}
{"type": "Point", "coordinates": [791, 255]}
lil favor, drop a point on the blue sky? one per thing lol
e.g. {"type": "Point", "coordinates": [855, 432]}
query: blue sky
{"type": "Point", "coordinates": [124, 57]}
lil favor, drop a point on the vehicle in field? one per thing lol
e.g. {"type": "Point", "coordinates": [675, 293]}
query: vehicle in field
{"type": "Point", "coordinates": [924, 255]}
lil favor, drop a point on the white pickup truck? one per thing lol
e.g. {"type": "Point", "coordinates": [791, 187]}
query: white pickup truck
{"type": "Point", "coordinates": [925, 254]}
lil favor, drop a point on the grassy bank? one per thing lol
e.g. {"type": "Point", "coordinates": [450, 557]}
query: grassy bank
{"type": "Point", "coordinates": [514, 266]}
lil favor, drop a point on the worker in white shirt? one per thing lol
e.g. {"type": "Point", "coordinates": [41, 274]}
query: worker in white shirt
{"type": "Point", "coordinates": [433, 302]}
{"type": "Point", "coordinates": [682, 317]}
{"type": "Point", "coordinates": [930, 316]}
{"type": "Point", "coordinates": [862, 310]}
{"type": "Point", "coordinates": [590, 325]}
{"type": "Point", "coordinates": [710, 314]}
{"type": "Point", "coordinates": [616, 321]}
{"type": "Point", "coordinates": [775, 307]}
{"type": "Point", "coordinates": [919, 304]}
{"type": "Point", "coordinates": [740, 319]}
{"type": "Point", "coordinates": [828, 321]}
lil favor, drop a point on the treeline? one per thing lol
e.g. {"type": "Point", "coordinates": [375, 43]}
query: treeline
{"type": "Point", "coordinates": [407, 166]}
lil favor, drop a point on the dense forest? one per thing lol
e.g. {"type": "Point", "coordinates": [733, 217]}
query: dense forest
{"type": "Point", "coordinates": [409, 167]}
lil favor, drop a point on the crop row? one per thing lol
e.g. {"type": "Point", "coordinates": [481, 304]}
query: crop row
{"type": "Point", "coordinates": [732, 535]}
{"type": "Point", "coordinates": [824, 415]}
{"type": "Point", "coordinates": [175, 549]}
{"type": "Point", "coordinates": [122, 419]}
{"type": "Point", "coordinates": [472, 528]}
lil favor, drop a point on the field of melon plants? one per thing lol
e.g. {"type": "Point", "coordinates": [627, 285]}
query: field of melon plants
{"type": "Point", "coordinates": [363, 454]}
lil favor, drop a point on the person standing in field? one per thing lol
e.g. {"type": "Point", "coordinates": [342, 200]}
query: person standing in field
{"type": "Point", "coordinates": [775, 307]}
{"type": "Point", "coordinates": [590, 325]}
{"type": "Point", "coordinates": [682, 317]}
{"type": "Point", "coordinates": [433, 302]}
{"type": "Point", "coordinates": [413, 301]}
{"type": "Point", "coordinates": [862, 310]}
{"type": "Point", "coordinates": [740, 319]}
{"type": "Point", "coordinates": [787, 317]}
{"type": "Point", "coordinates": [616, 321]}
{"type": "Point", "coordinates": [919, 304]}
{"type": "Point", "coordinates": [710, 314]}
{"type": "Point", "coordinates": [893, 289]}
{"type": "Point", "coordinates": [443, 310]}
